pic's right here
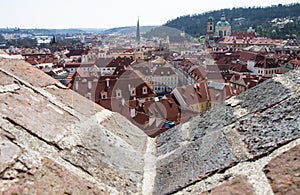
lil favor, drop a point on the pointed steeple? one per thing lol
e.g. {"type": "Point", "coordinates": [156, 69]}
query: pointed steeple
{"type": "Point", "coordinates": [138, 35]}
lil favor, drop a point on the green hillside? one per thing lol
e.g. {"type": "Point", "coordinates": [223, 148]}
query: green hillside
{"type": "Point", "coordinates": [280, 21]}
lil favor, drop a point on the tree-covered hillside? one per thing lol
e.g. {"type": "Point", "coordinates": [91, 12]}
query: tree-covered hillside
{"type": "Point", "coordinates": [280, 21]}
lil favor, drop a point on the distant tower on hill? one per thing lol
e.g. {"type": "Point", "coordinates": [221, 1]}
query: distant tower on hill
{"type": "Point", "coordinates": [210, 28]}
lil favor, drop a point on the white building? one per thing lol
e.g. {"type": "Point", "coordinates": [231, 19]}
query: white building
{"type": "Point", "coordinates": [164, 79]}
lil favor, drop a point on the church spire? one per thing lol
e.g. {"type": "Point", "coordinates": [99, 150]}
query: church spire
{"type": "Point", "coordinates": [138, 35]}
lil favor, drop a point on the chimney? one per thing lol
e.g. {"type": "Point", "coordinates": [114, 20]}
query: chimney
{"type": "Point", "coordinates": [107, 82]}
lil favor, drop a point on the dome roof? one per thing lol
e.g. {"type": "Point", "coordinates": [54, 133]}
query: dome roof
{"type": "Point", "coordinates": [211, 19]}
{"type": "Point", "coordinates": [222, 23]}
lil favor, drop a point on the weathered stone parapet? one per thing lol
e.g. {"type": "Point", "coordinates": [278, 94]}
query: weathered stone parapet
{"type": "Point", "coordinates": [56, 141]}
{"type": "Point", "coordinates": [231, 138]}
{"type": "Point", "coordinates": [53, 140]}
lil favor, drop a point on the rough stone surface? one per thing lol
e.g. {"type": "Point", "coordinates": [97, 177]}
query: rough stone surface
{"type": "Point", "coordinates": [132, 136]}
{"type": "Point", "coordinates": [271, 128]}
{"type": "Point", "coordinates": [249, 126]}
{"type": "Point", "coordinates": [270, 93]}
{"type": "Point", "coordinates": [26, 72]}
{"type": "Point", "coordinates": [36, 114]}
{"type": "Point", "coordinates": [9, 152]}
{"type": "Point", "coordinates": [9, 88]}
{"type": "Point", "coordinates": [198, 127]}
{"type": "Point", "coordinates": [40, 122]}
{"type": "Point", "coordinates": [192, 161]}
{"type": "Point", "coordinates": [5, 79]}
{"type": "Point", "coordinates": [283, 172]}
{"type": "Point", "coordinates": [74, 101]}
{"type": "Point", "coordinates": [50, 139]}
{"type": "Point", "coordinates": [102, 155]}
{"type": "Point", "coordinates": [52, 178]}
{"type": "Point", "coordinates": [238, 185]}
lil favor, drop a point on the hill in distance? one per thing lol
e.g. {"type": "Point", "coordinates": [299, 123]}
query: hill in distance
{"type": "Point", "coordinates": [277, 21]}
{"type": "Point", "coordinates": [128, 30]}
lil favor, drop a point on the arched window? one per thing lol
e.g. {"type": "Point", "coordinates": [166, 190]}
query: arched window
{"type": "Point", "coordinates": [220, 33]}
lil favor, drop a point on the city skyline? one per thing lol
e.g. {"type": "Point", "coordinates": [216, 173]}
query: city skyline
{"type": "Point", "coordinates": [56, 14]}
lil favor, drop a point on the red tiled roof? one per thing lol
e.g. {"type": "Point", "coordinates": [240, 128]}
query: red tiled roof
{"type": "Point", "coordinates": [242, 35]}
{"type": "Point", "coordinates": [77, 52]}
{"type": "Point", "coordinates": [35, 59]}
{"type": "Point", "coordinates": [267, 63]}
{"type": "Point", "coordinates": [215, 76]}
{"type": "Point", "coordinates": [128, 79]}
{"type": "Point", "coordinates": [163, 71]}
{"type": "Point", "coordinates": [238, 68]}
{"type": "Point", "coordinates": [103, 62]}
{"type": "Point", "coordinates": [295, 62]}
{"type": "Point", "coordinates": [193, 94]}
{"type": "Point", "coordinates": [230, 40]}
{"type": "Point", "coordinates": [198, 73]}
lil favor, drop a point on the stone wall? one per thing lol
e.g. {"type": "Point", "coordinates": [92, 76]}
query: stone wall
{"type": "Point", "coordinates": [54, 141]}
{"type": "Point", "coordinates": [230, 148]}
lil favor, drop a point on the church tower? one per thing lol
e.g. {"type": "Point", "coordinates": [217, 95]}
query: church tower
{"type": "Point", "coordinates": [210, 28]}
{"type": "Point", "coordinates": [138, 35]}
{"type": "Point", "coordinates": [223, 27]}
{"type": "Point", "coordinates": [138, 52]}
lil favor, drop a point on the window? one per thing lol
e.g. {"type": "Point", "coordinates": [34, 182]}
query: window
{"type": "Point", "coordinates": [144, 90]}
{"type": "Point", "coordinates": [132, 91]}
{"type": "Point", "coordinates": [89, 84]}
{"type": "Point", "coordinates": [76, 85]}
{"type": "Point", "coordinates": [103, 95]}
{"type": "Point", "coordinates": [118, 93]}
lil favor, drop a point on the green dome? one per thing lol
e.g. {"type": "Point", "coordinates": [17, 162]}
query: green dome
{"type": "Point", "coordinates": [210, 19]}
{"type": "Point", "coordinates": [222, 23]}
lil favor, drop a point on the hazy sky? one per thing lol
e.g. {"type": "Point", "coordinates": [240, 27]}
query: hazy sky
{"type": "Point", "coordinates": [109, 13]}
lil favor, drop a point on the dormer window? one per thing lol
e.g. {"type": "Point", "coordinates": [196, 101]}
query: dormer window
{"type": "Point", "coordinates": [132, 91]}
{"type": "Point", "coordinates": [118, 93]}
{"type": "Point", "coordinates": [103, 95]}
{"type": "Point", "coordinates": [144, 90]}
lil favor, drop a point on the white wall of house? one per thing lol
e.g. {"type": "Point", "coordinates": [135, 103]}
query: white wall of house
{"type": "Point", "coordinates": [250, 66]}
{"type": "Point", "coordinates": [268, 71]}
{"type": "Point", "coordinates": [163, 84]}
